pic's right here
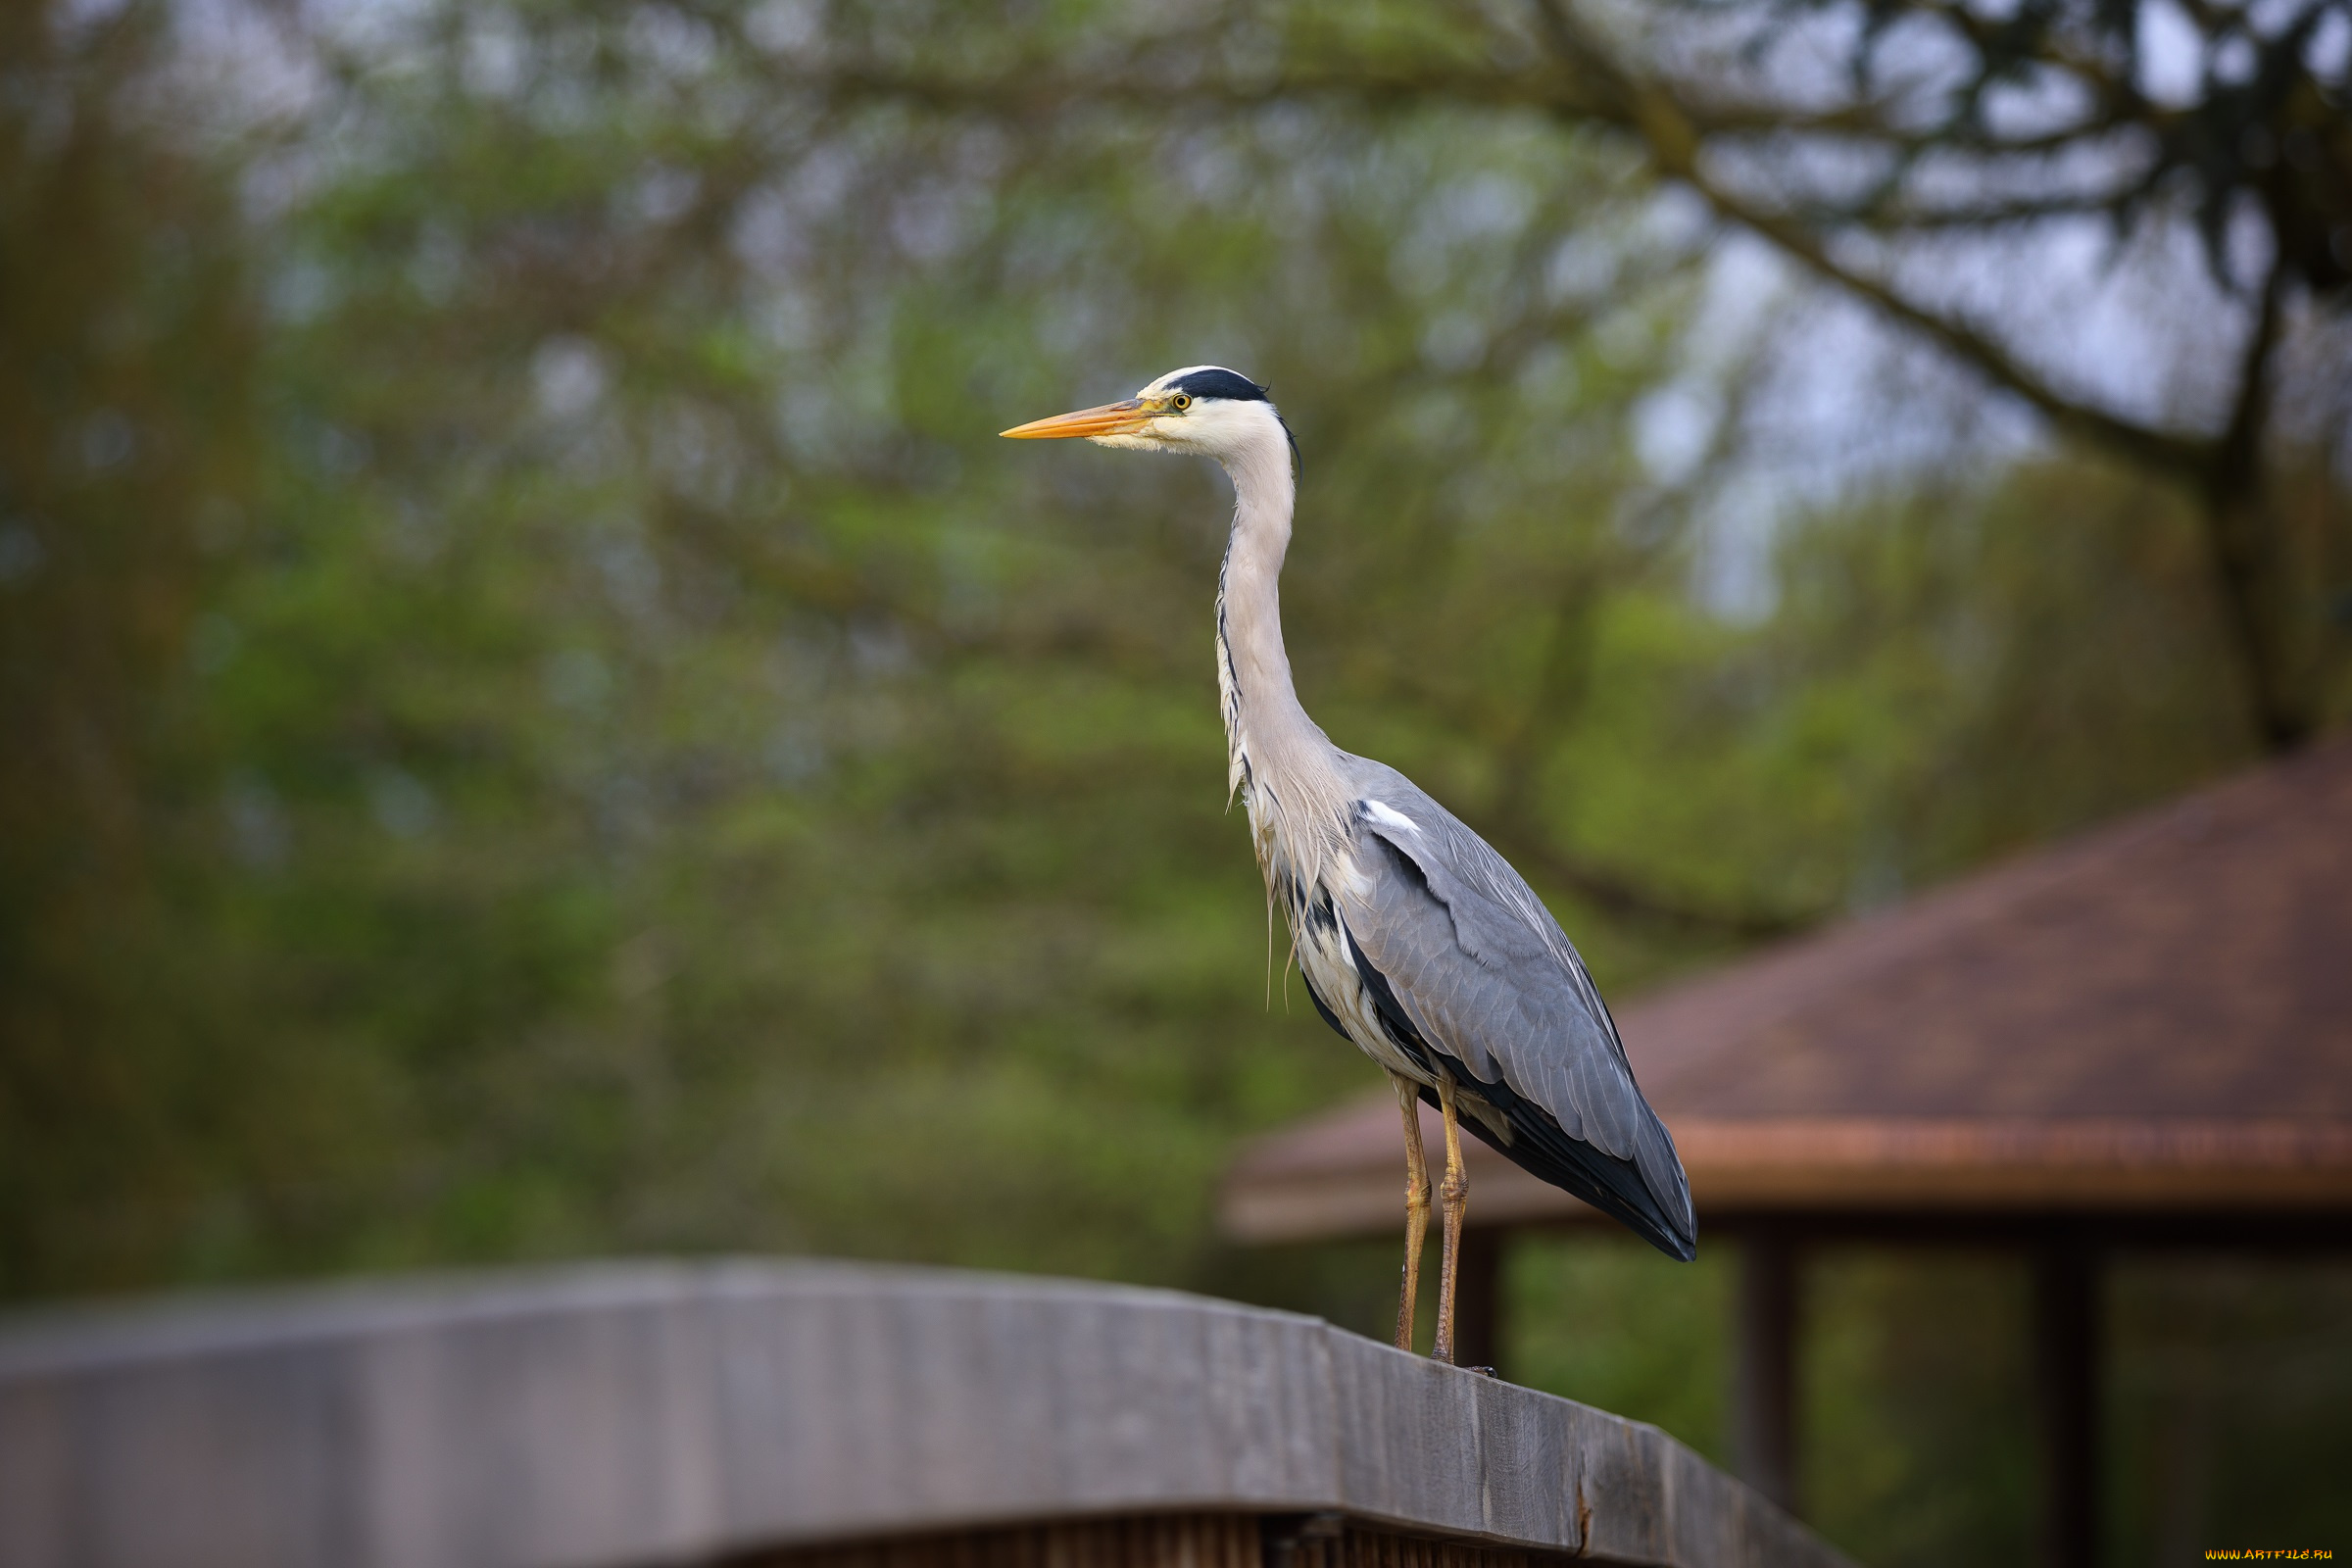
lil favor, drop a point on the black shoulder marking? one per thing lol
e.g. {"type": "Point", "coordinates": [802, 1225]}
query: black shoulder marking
{"type": "Point", "coordinates": [1384, 1007]}
{"type": "Point", "coordinates": [1330, 1018]}
{"type": "Point", "coordinates": [1216, 383]}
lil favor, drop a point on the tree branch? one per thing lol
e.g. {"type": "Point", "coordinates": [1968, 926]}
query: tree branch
{"type": "Point", "coordinates": [1988, 215]}
{"type": "Point", "coordinates": [1044, 89]}
{"type": "Point", "coordinates": [1674, 142]}
{"type": "Point", "coordinates": [1595, 89]}
{"type": "Point", "coordinates": [2238, 452]}
{"type": "Point", "coordinates": [2235, 539]}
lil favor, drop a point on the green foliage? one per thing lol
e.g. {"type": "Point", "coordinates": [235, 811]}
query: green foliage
{"type": "Point", "coordinates": [662, 776]}
{"type": "Point", "coordinates": [2228, 1406]}
{"type": "Point", "coordinates": [1992, 665]}
{"type": "Point", "coordinates": [1917, 1421]}
{"type": "Point", "coordinates": [128, 354]}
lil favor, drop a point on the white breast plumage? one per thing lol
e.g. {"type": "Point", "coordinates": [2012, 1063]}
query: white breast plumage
{"type": "Point", "coordinates": [1327, 958]}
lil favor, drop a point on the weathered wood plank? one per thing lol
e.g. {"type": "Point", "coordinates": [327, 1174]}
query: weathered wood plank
{"type": "Point", "coordinates": [643, 1414]}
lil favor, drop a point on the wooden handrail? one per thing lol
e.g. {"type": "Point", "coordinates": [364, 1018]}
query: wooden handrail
{"type": "Point", "coordinates": [675, 1412]}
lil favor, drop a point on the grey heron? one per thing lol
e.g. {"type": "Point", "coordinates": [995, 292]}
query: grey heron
{"type": "Point", "coordinates": [1417, 941]}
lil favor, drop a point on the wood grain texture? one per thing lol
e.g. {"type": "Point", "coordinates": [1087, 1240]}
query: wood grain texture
{"type": "Point", "coordinates": [1178, 1540]}
{"type": "Point", "coordinates": [660, 1413]}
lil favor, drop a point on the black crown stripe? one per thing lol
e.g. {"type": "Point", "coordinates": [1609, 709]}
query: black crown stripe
{"type": "Point", "coordinates": [1221, 383]}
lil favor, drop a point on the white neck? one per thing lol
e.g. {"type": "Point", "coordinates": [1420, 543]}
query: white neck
{"type": "Point", "coordinates": [1284, 768]}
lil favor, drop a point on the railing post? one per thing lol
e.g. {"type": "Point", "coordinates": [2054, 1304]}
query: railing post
{"type": "Point", "coordinates": [2065, 1391]}
{"type": "Point", "coordinates": [1764, 1365]}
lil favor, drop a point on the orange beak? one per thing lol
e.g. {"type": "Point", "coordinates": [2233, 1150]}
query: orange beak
{"type": "Point", "coordinates": [1112, 418]}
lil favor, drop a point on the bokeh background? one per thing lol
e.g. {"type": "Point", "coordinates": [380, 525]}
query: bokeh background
{"type": "Point", "coordinates": [538, 719]}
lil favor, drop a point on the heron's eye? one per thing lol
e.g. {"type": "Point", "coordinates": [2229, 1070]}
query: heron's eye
{"type": "Point", "coordinates": [1184, 401]}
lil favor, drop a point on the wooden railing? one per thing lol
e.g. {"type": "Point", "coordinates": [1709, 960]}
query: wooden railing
{"type": "Point", "coordinates": [863, 1417]}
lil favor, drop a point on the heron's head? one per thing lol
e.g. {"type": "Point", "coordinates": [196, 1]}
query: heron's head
{"type": "Point", "coordinates": [1204, 410]}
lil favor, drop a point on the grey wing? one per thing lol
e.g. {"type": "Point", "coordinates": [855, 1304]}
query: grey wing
{"type": "Point", "coordinates": [1476, 969]}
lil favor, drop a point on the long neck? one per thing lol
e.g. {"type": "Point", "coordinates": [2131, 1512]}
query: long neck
{"type": "Point", "coordinates": [1284, 768]}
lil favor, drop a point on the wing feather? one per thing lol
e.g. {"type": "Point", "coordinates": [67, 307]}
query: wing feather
{"type": "Point", "coordinates": [1475, 965]}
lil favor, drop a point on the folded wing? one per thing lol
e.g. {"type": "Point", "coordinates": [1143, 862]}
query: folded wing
{"type": "Point", "coordinates": [1466, 964]}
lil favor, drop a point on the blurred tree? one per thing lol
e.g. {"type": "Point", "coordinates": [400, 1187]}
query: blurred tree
{"type": "Point", "coordinates": [654, 776]}
{"type": "Point", "coordinates": [1918, 1407]}
{"type": "Point", "coordinates": [2225, 1367]}
{"type": "Point", "coordinates": [1955, 130]}
{"type": "Point", "coordinates": [128, 449]}
{"type": "Point", "coordinates": [1893, 147]}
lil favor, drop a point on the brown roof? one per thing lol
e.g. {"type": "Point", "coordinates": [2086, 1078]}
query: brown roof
{"type": "Point", "coordinates": [2157, 1014]}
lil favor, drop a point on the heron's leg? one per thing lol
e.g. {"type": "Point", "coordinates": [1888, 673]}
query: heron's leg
{"type": "Point", "coordinates": [1453, 1200]}
{"type": "Point", "coordinates": [1416, 1205]}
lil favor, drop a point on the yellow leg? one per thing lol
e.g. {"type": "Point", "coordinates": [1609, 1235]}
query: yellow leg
{"type": "Point", "coordinates": [1453, 1200]}
{"type": "Point", "coordinates": [1416, 1206]}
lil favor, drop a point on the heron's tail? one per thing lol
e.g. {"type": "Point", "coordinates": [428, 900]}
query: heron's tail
{"type": "Point", "coordinates": [1649, 1195]}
